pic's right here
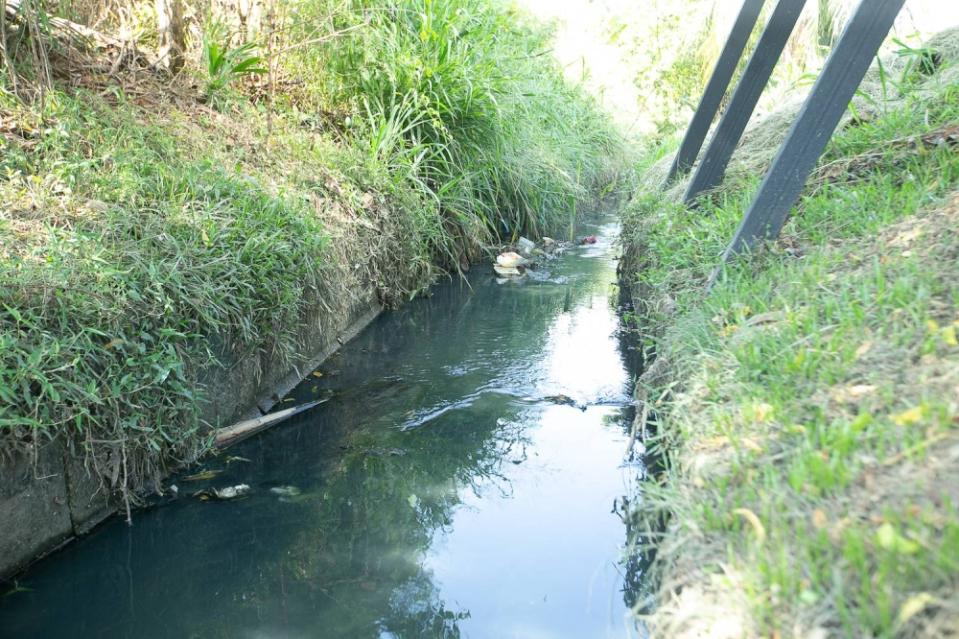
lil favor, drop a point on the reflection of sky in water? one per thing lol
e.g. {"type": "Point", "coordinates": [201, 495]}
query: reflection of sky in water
{"type": "Point", "coordinates": [441, 493]}
{"type": "Point", "coordinates": [542, 563]}
{"type": "Point", "coordinates": [548, 553]}
{"type": "Point", "coordinates": [582, 359]}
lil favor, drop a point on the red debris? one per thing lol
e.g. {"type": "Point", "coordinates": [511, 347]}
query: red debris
{"type": "Point", "coordinates": [589, 239]}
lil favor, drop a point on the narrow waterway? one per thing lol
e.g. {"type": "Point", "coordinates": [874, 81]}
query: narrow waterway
{"type": "Point", "coordinates": [439, 493]}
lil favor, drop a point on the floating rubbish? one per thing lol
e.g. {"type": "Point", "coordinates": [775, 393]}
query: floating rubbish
{"type": "Point", "coordinates": [203, 475]}
{"type": "Point", "coordinates": [285, 491]}
{"type": "Point", "coordinates": [231, 492]}
{"type": "Point", "coordinates": [564, 400]}
{"type": "Point", "coordinates": [589, 239]}
{"type": "Point", "coordinates": [505, 271]}
{"type": "Point", "coordinates": [510, 259]}
{"type": "Point", "coordinates": [223, 494]}
{"type": "Point", "coordinates": [510, 264]}
{"type": "Point", "coordinates": [525, 245]}
{"type": "Point", "coordinates": [236, 458]}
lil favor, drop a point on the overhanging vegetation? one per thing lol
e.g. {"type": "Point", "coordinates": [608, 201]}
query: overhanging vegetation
{"type": "Point", "coordinates": [154, 224]}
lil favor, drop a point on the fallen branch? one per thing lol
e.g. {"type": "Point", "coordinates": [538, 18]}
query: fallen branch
{"type": "Point", "coordinates": [241, 430]}
{"type": "Point", "coordinates": [83, 36]}
{"type": "Point", "coordinates": [78, 31]}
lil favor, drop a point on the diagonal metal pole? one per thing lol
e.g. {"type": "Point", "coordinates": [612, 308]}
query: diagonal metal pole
{"type": "Point", "coordinates": [715, 88]}
{"type": "Point", "coordinates": [816, 122]}
{"type": "Point", "coordinates": [712, 167]}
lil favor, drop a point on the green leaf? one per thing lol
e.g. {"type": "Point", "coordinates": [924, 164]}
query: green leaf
{"type": "Point", "coordinates": [889, 538]}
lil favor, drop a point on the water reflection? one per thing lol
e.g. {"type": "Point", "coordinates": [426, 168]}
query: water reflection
{"type": "Point", "coordinates": [440, 493]}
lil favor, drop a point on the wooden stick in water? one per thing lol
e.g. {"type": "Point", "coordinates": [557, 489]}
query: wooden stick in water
{"type": "Point", "coordinates": [241, 430]}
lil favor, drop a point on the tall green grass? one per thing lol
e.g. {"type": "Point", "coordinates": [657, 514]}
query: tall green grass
{"type": "Point", "coordinates": [125, 265]}
{"type": "Point", "coordinates": [142, 239]}
{"type": "Point", "coordinates": [466, 97]}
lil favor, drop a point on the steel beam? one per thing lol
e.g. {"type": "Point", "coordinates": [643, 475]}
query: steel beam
{"type": "Point", "coordinates": [712, 167]}
{"type": "Point", "coordinates": [715, 88]}
{"type": "Point", "coordinates": [816, 123]}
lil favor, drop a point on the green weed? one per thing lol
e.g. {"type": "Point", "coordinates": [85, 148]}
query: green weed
{"type": "Point", "coordinates": [225, 64]}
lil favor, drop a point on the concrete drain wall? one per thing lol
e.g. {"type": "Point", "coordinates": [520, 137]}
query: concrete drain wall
{"type": "Point", "coordinates": [49, 498]}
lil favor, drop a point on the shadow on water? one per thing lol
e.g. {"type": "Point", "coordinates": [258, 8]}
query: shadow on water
{"type": "Point", "coordinates": [443, 491]}
{"type": "Point", "coordinates": [639, 554]}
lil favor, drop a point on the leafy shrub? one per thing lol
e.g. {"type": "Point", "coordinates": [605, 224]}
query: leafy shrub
{"type": "Point", "coordinates": [224, 64]}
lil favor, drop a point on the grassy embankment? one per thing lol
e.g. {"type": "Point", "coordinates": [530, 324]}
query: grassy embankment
{"type": "Point", "coordinates": [808, 405]}
{"type": "Point", "coordinates": [148, 224]}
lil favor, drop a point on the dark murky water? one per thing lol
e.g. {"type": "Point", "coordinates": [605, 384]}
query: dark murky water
{"type": "Point", "coordinates": [436, 495]}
